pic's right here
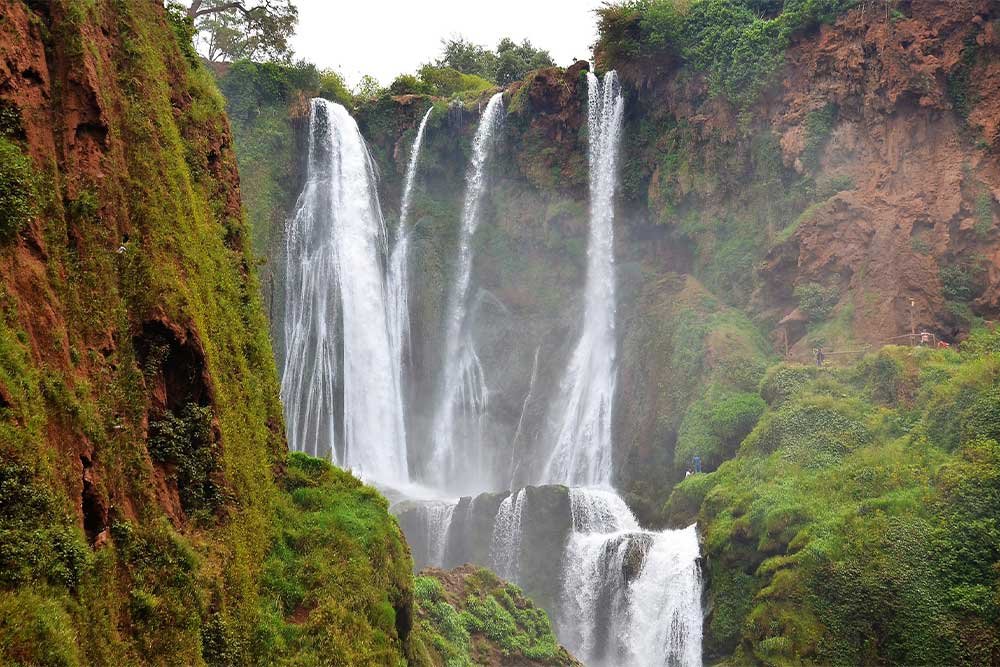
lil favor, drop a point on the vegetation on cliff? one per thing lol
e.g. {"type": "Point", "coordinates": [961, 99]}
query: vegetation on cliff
{"type": "Point", "coordinates": [148, 511]}
{"type": "Point", "coordinates": [468, 616]}
{"type": "Point", "coordinates": [738, 45]}
{"type": "Point", "coordinates": [858, 521]}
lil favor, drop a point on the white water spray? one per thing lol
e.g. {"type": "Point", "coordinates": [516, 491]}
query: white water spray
{"type": "Point", "coordinates": [458, 448]}
{"type": "Point", "coordinates": [629, 597]}
{"type": "Point", "coordinates": [334, 253]}
{"type": "Point", "coordinates": [505, 549]}
{"type": "Point", "coordinates": [582, 425]}
{"type": "Point", "coordinates": [399, 262]}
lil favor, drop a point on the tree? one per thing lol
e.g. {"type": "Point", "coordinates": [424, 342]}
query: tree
{"type": "Point", "coordinates": [516, 60]}
{"type": "Point", "coordinates": [246, 29]}
{"type": "Point", "coordinates": [368, 88]}
{"type": "Point", "coordinates": [467, 57]}
{"type": "Point", "coordinates": [509, 63]}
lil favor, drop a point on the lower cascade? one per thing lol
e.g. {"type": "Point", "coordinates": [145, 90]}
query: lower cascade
{"type": "Point", "coordinates": [629, 597]}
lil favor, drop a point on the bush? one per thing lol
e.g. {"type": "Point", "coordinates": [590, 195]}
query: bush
{"type": "Point", "coordinates": [816, 301]}
{"type": "Point", "coordinates": [783, 381]}
{"type": "Point", "coordinates": [185, 441]}
{"type": "Point", "coordinates": [445, 81]}
{"type": "Point", "coordinates": [958, 283]}
{"type": "Point", "coordinates": [17, 190]}
{"type": "Point", "coordinates": [407, 84]}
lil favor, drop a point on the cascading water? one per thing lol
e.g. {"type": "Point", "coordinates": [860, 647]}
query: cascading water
{"type": "Point", "coordinates": [505, 549]}
{"type": "Point", "coordinates": [334, 255]}
{"type": "Point", "coordinates": [626, 596]}
{"type": "Point", "coordinates": [629, 597]}
{"type": "Point", "coordinates": [515, 462]}
{"type": "Point", "coordinates": [439, 515]}
{"type": "Point", "coordinates": [399, 262]}
{"type": "Point", "coordinates": [463, 398]}
{"type": "Point", "coordinates": [582, 433]}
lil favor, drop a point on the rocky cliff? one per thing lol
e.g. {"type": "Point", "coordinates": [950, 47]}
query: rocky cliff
{"type": "Point", "coordinates": [148, 510]}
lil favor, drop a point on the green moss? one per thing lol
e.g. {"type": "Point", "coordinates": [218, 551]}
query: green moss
{"type": "Point", "coordinates": [17, 190]}
{"type": "Point", "coordinates": [339, 563]}
{"type": "Point", "coordinates": [838, 532]}
{"type": "Point", "coordinates": [485, 609]}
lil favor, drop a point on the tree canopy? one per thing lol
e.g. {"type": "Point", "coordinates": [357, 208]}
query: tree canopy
{"type": "Point", "coordinates": [231, 30]}
{"type": "Point", "coordinates": [509, 62]}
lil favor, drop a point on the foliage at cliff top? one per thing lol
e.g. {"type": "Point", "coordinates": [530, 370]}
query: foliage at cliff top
{"type": "Point", "coordinates": [465, 67]}
{"type": "Point", "coordinates": [468, 616]}
{"type": "Point", "coordinates": [737, 44]}
{"type": "Point", "coordinates": [859, 522]}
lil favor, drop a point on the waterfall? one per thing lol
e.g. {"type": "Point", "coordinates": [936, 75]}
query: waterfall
{"type": "Point", "coordinates": [515, 463]}
{"type": "Point", "coordinates": [582, 435]}
{"type": "Point", "coordinates": [463, 399]}
{"type": "Point", "coordinates": [399, 261]}
{"type": "Point", "coordinates": [335, 250]}
{"type": "Point", "coordinates": [629, 597]}
{"type": "Point", "coordinates": [439, 517]}
{"type": "Point", "coordinates": [505, 548]}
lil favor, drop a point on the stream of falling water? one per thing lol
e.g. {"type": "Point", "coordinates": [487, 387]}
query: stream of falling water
{"type": "Point", "coordinates": [399, 262]}
{"type": "Point", "coordinates": [334, 253]}
{"type": "Point", "coordinates": [458, 447]}
{"type": "Point", "coordinates": [505, 547]}
{"type": "Point", "coordinates": [627, 596]}
{"type": "Point", "coordinates": [582, 451]}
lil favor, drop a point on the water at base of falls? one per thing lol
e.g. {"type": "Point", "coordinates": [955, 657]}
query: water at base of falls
{"type": "Point", "coordinates": [629, 597]}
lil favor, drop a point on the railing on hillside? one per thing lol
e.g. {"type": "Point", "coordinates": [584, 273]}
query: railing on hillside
{"type": "Point", "coordinates": [834, 357]}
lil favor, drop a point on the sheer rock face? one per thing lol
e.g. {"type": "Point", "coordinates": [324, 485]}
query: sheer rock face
{"type": "Point", "coordinates": [128, 302]}
{"type": "Point", "coordinates": [910, 137]}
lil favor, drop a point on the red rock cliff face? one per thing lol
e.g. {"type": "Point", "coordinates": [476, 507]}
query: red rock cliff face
{"type": "Point", "coordinates": [912, 114]}
{"type": "Point", "coordinates": [126, 299]}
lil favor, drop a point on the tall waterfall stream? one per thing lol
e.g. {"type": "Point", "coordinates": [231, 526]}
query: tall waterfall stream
{"type": "Point", "coordinates": [625, 596]}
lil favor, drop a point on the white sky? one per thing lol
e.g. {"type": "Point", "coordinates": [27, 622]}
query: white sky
{"type": "Point", "coordinates": [390, 37]}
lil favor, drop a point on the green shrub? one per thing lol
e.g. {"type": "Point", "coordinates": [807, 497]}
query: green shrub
{"type": "Point", "coordinates": [17, 190]}
{"type": "Point", "coordinates": [714, 426]}
{"type": "Point", "coordinates": [333, 88]}
{"type": "Point", "coordinates": [816, 301]}
{"type": "Point", "coordinates": [958, 283]}
{"type": "Point", "coordinates": [407, 84]}
{"type": "Point", "coordinates": [185, 441]}
{"type": "Point", "coordinates": [445, 81]}
{"type": "Point", "coordinates": [783, 381]}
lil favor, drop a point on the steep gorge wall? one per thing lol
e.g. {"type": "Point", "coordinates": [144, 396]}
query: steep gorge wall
{"type": "Point", "coordinates": [148, 510]}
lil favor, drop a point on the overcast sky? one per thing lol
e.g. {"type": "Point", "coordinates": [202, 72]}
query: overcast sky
{"type": "Point", "coordinates": [389, 37]}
